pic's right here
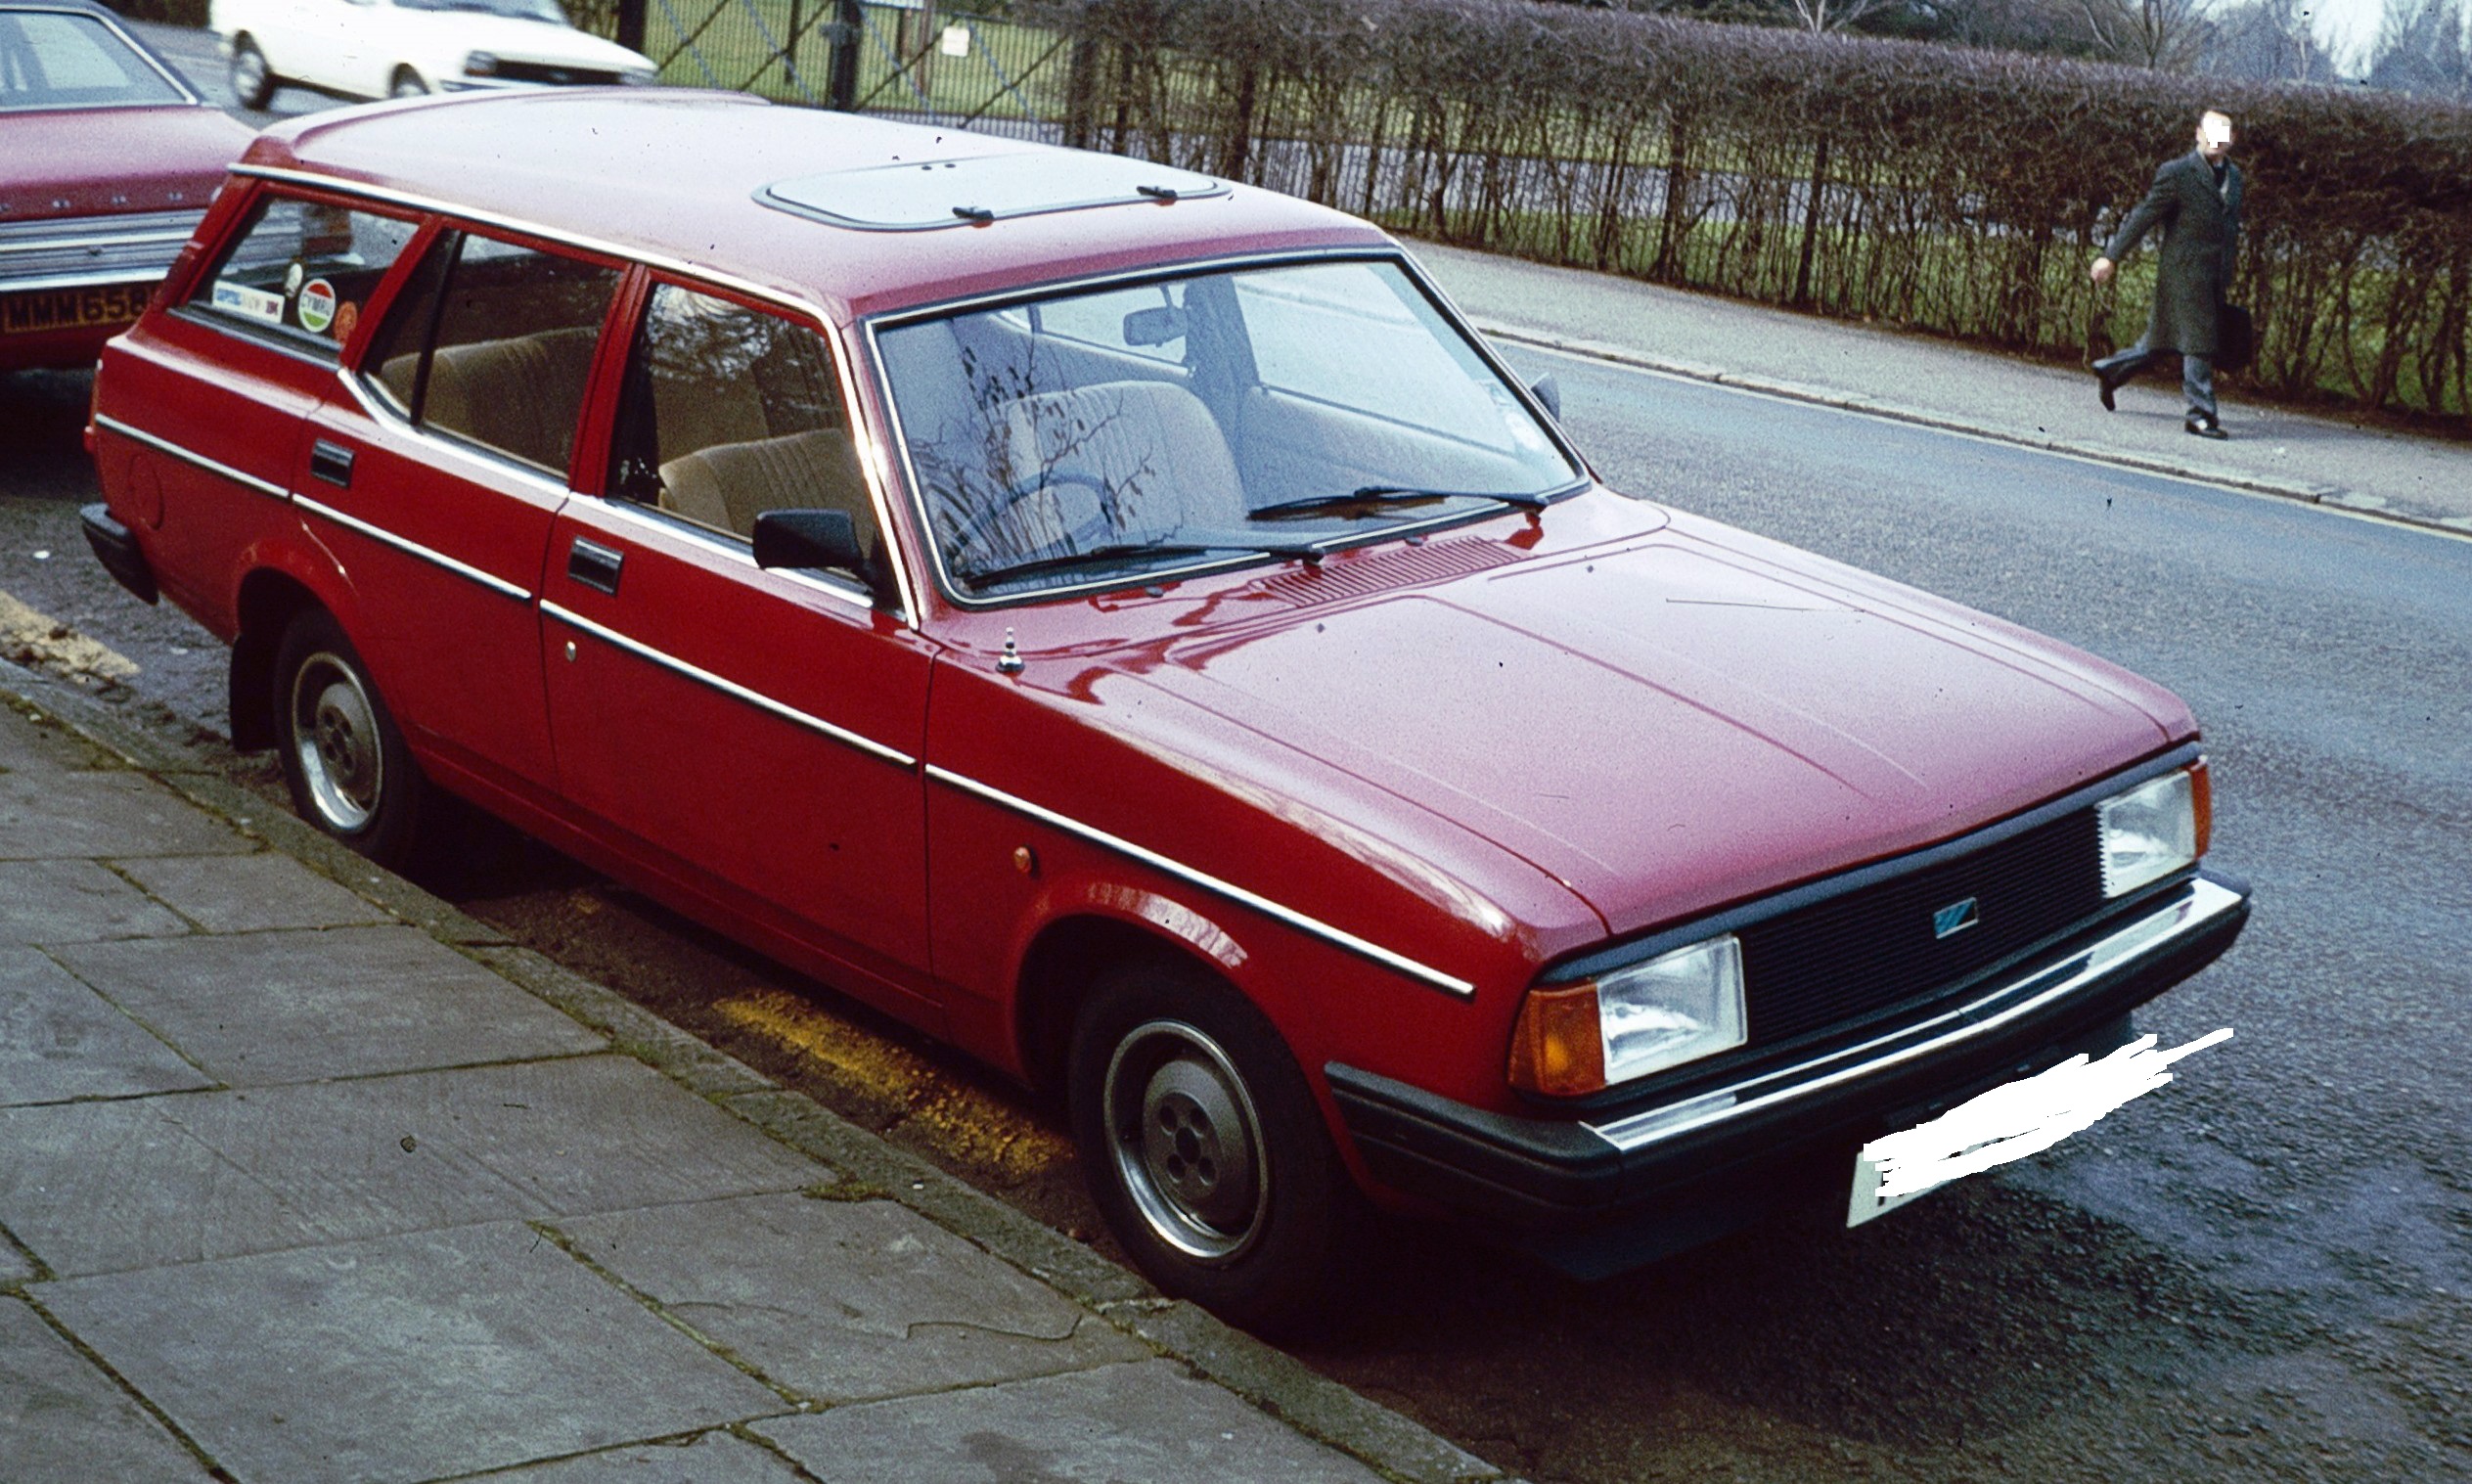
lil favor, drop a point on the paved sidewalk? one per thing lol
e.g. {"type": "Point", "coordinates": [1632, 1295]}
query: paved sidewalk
{"type": "Point", "coordinates": [305, 1176]}
{"type": "Point", "coordinates": [2322, 459]}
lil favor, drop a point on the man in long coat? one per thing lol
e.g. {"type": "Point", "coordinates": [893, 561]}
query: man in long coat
{"type": "Point", "coordinates": [2196, 198]}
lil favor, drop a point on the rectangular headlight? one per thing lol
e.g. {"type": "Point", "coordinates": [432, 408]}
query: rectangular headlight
{"type": "Point", "coordinates": [2153, 829]}
{"type": "Point", "coordinates": [1630, 1022]}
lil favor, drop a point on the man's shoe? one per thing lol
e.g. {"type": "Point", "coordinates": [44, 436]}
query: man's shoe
{"type": "Point", "coordinates": [2104, 387]}
{"type": "Point", "coordinates": [2205, 428]}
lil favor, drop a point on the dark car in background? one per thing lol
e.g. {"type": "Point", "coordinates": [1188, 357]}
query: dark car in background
{"type": "Point", "coordinates": [108, 159]}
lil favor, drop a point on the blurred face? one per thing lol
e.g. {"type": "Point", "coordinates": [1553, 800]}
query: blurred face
{"type": "Point", "coordinates": [2213, 137]}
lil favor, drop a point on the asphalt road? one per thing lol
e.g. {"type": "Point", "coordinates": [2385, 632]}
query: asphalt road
{"type": "Point", "coordinates": [2262, 1271]}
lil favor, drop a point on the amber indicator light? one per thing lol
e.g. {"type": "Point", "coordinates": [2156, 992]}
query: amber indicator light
{"type": "Point", "coordinates": [1555, 1048]}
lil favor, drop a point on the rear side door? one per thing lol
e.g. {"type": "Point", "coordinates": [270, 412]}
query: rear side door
{"type": "Point", "coordinates": [755, 732]}
{"type": "Point", "coordinates": [435, 479]}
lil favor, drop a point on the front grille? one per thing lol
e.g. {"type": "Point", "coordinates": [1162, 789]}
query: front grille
{"type": "Point", "coordinates": [1876, 946]}
{"type": "Point", "coordinates": [63, 252]}
{"type": "Point", "coordinates": [511, 70]}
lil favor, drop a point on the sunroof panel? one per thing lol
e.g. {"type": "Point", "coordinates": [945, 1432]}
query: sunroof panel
{"type": "Point", "coordinates": [913, 196]}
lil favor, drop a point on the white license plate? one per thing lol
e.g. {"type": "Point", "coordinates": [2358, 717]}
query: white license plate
{"type": "Point", "coordinates": [2010, 1122]}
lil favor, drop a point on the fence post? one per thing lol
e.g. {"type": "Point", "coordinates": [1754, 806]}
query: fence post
{"type": "Point", "coordinates": [1081, 87]}
{"type": "Point", "coordinates": [631, 24]}
{"type": "Point", "coordinates": [849, 29]}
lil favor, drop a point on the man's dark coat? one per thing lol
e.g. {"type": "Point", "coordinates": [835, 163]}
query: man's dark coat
{"type": "Point", "coordinates": [2201, 230]}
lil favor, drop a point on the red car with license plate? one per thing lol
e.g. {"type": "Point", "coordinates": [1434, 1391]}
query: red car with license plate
{"type": "Point", "coordinates": [1125, 624]}
{"type": "Point", "coordinates": [108, 159]}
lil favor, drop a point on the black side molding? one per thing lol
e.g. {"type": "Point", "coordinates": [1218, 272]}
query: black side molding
{"type": "Point", "coordinates": [117, 551]}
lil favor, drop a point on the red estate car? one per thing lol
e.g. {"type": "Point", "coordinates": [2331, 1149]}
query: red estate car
{"type": "Point", "coordinates": [107, 162]}
{"type": "Point", "coordinates": [1125, 624]}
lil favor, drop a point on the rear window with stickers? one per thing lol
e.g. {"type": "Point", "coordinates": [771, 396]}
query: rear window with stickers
{"type": "Point", "coordinates": [302, 271]}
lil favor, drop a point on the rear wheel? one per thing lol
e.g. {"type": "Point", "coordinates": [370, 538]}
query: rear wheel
{"type": "Point", "coordinates": [1205, 1151]}
{"type": "Point", "coordinates": [350, 770]}
{"type": "Point", "coordinates": [407, 83]}
{"type": "Point", "coordinates": [254, 82]}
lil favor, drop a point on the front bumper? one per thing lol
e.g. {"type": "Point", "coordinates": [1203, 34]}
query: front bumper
{"type": "Point", "coordinates": [1599, 1195]}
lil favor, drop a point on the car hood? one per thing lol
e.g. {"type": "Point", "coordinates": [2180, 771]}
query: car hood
{"type": "Point", "coordinates": [1679, 722]}
{"type": "Point", "coordinates": [464, 32]}
{"type": "Point", "coordinates": [92, 162]}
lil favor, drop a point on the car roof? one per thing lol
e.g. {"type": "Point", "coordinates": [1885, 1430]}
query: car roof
{"type": "Point", "coordinates": [683, 176]}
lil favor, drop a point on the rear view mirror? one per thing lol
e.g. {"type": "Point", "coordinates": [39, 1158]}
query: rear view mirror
{"type": "Point", "coordinates": [1547, 390]}
{"type": "Point", "coordinates": [807, 540]}
{"type": "Point", "coordinates": [1154, 326]}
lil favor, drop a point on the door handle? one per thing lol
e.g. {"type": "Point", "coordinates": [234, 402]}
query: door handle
{"type": "Point", "coordinates": [331, 462]}
{"type": "Point", "coordinates": [595, 565]}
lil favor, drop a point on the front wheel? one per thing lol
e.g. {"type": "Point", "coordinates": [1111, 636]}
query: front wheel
{"type": "Point", "coordinates": [1204, 1148]}
{"type": "Point", "coordinates": [350, 770]}
{"type": "Point", "coordinates": [253, 80]}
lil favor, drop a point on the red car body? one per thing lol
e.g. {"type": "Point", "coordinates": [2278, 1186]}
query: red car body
{"type": "Point", "coordinates": [1381, 795]}
{"type": "Point", "coordinates": [97, 197]}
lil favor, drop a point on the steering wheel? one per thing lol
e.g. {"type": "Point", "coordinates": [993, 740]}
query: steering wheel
{"type": "Point", "coordinates": [1105, 522]}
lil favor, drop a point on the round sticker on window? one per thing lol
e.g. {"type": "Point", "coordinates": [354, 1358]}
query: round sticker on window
{"type": "Point", "coordinates": [346, 317]}
{"type": "Point", "coordinates": [317, 305]}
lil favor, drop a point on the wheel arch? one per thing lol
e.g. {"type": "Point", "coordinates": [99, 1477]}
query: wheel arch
{"type": "Point", "coordinates": [1061, 966]}
{"type": "Point", "coordinates": [269, 600]}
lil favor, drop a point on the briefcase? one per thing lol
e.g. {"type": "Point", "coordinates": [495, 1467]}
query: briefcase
{"type": "Point", "coordinates": [2235, 338]}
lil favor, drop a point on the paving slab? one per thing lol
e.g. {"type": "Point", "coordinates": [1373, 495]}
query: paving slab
{"type": "Point", "coordinates": [42, 745]}
{"type": "Point", "coordinates": [250, 893]}
{"type": "Point", "coordinates": [714, 1457]}
{"type": "Point", "coordinates": [406, 1357]}
{"type": "Point", "coordinates": [53, 815]}
{"type": "Point", "coordinates": [268, 1008]}
{"type": "Point", "coordinates": [841, 1300]}
{"type": "Point", "coordinates": [76, 902]}
{"type": "Point", "coordinates": [63, 1421]}
{"type": "Point", "coordinates": [15, 1266]}
{"type": "Point", "coordinates": [104, 1187]}
{"type": "Point", "coordinates": [1145, 1421]}
{"type": "Point", "coordinates": [60, 1040]}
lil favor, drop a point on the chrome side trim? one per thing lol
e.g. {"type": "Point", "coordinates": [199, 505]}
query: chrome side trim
{"type": "Point", "coordinates": [2205, 902]}
{"type": "Point", "coordinates": [1211, 883]}
{"type": "Point", "coordinates": [264, 487]}
{"type": "Point", "coordinates": [379, 533]}
{"type": "Point", "coordinates": [731, 688]}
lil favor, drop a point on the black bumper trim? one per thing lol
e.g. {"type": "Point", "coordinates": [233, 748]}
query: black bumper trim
{"type": "Point", "coordinates": [1539, 1174]}
{"type": "Point", "coordinates": [117, 551]}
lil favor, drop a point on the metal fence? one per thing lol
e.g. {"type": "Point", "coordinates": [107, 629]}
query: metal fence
{"type": "Point", "coordinates": [962, 65]}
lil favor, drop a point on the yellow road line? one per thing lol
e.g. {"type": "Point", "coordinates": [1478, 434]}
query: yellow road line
{"type": "Point", "coordinates": [31, 636]}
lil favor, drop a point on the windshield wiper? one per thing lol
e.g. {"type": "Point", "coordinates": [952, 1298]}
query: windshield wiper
{"type": "Point", "coordinates": [1388, 494]}
{"type": "Point", "coordinates": [1120, 550]}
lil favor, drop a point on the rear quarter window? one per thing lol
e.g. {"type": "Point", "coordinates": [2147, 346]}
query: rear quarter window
{"type": "Point", "coordinates": [300, 272]}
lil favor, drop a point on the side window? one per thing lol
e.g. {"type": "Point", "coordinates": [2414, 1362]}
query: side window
{"type": "Point", "coordinates": [729, 412]}
{"type": "Point", "coordinates": [299, 271]}
{"type": "Point", "coordinates": [493, 343]}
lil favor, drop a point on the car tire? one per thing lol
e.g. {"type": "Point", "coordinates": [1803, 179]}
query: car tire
{"type": "Point", "coordinates": [406, 83]}
{"type": "Point", "coordinates": [1205, 1151]}
{"type": "Point", "coordinates": [254, 82]}
{"type": "Point", "coordinates": [349, 771]}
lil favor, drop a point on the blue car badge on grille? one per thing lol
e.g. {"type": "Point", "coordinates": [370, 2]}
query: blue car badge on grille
{"type": "Point", "coordinates": [1954, 917]}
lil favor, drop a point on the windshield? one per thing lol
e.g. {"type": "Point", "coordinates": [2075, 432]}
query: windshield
{"type": "Point", "coordinates": [53, 60]}
{"type": "Point", "coordinates": [521, 10]}
{"type": "Point", "coordinates": [1108, 435]}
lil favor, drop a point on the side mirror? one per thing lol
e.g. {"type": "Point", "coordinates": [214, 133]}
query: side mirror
{"type": "Point", "coordinates": [1547, 390]}
{"type": "Point", "coordinates": [807, 540]}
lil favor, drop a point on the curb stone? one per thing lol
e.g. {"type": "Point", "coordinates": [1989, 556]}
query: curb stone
{"type": "Point", "coordinates": [1383, 1439]}
{"type": "Point", "coordinates": [2330, 497]}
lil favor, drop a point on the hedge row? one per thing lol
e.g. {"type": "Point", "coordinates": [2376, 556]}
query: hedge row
{"type": "Point", "coordinates": [1952, 190]}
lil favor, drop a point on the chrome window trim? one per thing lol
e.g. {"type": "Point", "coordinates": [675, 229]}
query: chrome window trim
{"type": "Point", "coordinates": [1389, 252]}
{"type": "Point", "coordinates": [268, 489]}
{"type": "Point", "coordinates": [380, 533]}
{"type": "Point", "coordinates": [722, 544]}
{"type": "Point", "coordinates": [869, 447]}
{"type": "Point", "coordinates": [2205, 902]}
{"type": "Point", "coordinates": [730, 688]}
{"type": "Point", "coordinates": [1336, 936]}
